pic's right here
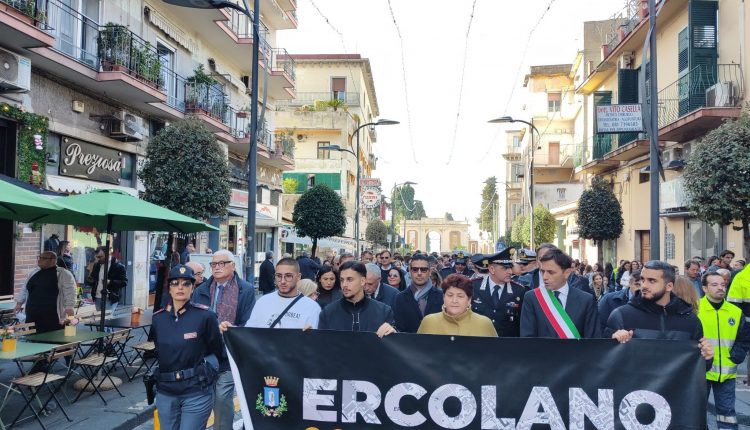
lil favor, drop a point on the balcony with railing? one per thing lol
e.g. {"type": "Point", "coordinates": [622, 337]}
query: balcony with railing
{"type": "Point", "coordinates": [700, 101]}
{"type": "Point", "coordinates": [513, 152]}
{"type": "Point", "coordinates": [281, 74]}
{"type": "Point", "coordinates": [22, 25]}
{"type": "Point", "coordinates": [208, 103]}
{"type": "Point", "coordinates": [350, 99]}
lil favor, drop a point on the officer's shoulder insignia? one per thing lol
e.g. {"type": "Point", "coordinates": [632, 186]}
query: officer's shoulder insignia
{"type": "Point", "coordinates": [478, 301]}
{"type": "Point", "coordinates": [159, 311]}
{"type": "Point", "coordinates": [732, 321]}
{"type": "Point", "coordinates": [201, 306]}
{"type": "Point", "coordinates": [271, 403]}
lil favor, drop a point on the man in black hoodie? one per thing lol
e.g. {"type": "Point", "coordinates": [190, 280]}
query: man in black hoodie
{"type": "Point", "coordinates": [655, 313]}
{"type": "Point", "coordinates": [355, 311]}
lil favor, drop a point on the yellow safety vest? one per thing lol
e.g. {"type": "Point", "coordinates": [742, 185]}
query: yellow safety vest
{"type": "Point", "coordinates": [740, 290]}
{"type": "Point", "coordinates": [720, 329]}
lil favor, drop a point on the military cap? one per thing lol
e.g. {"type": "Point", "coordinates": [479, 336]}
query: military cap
{"type": "Point", "coordinates": [503, 258]}
{"type": "Point", "coordinates": [480, 263]}
{"type": "Point", "coordinates": [461, 257]}
{"type": "Point", "coordinates": [181, 272]}
{"type": "Point", "coordinates": [526, 255]}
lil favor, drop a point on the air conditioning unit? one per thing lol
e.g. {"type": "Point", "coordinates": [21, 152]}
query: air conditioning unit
{"type": "Point", "coordinates": [721, 95]}
{"type": "Point", "coordinates": [15, 73]}
{"type": "Point", "coordinates": [126, 126]}
{"type": "Point", "coordinates": [671, 154]}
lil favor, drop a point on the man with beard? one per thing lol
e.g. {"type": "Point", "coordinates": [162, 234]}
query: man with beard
{"type": "Point", "coordinates": [655, 313]}
{"type": "Point", "coordinates": [420, 298]}
{"type": "Point", "coordinates": [355, 311]}
{"type": "Point", "coordinates": [729, 334]}
{"type": "Point", "coordinates": [498, 297]}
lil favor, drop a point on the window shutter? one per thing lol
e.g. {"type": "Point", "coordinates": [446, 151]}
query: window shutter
{"type": "Point", "coordinates": [627, 89]}
{"type": "Point", "coordinates": [602, 141]}
{"type": "Point", "coordinates": [703, 54]}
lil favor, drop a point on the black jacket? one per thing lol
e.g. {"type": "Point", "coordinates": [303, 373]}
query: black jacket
{"type": "Point", "coordinates": [308, 267]}
{"type": "Point", "coordinates": [580, 306]}
{"type": "Point", "coordinates": [609, 302]}
{"type": "Point", "coordinates": [266, 277]}
{"type": "Point", "coordinates": [506, 315]}
{"type": "Point", "coordinates": [117, 276]}
{"type": "Point", "coordinates": [406, 309]}
{"type": "Point", "coordinates": [386, 294]}
{"type": "Point", "coordinates": [675, 321]}
{"type": "Point", "coordinates": [365, 315]}
{"type": "Point", "coordinates": [326, 297]}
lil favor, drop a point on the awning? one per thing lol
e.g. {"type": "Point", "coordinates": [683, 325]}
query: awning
{"type": "Point", "coordinates": [28, 186]}
{"type": "Point", "coordinates": [79, 186]}
{"type": "Point", "coordinates": [261, 220]}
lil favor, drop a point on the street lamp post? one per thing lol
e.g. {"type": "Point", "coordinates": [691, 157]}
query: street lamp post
{"type": "Point", "coordinates": [506, 120]}
{"type": "Point", "coordinates": [356, 155]}
{"type": "Point", "coordinates": [393, 213]}
{"type": "Point", "coordinates": [252, 155]}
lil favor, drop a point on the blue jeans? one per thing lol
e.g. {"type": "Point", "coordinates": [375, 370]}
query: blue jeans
{"type": "Point", "coordinates": [224, 405]}
{"type": "Point", "coordinates": [726, 418]}
{"type": "Point", "coordinates": [184, 412]}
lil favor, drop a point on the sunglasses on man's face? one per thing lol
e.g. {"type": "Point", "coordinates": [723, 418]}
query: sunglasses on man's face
{"type": "Point", "coordinates": [420, 269]}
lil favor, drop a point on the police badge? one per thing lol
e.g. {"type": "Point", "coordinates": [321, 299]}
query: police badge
{"type": "Point", "coordinates": [271, 403]}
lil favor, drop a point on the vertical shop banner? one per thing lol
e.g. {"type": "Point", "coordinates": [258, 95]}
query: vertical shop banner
{"type": "Point", "coordinates": [326, 380]}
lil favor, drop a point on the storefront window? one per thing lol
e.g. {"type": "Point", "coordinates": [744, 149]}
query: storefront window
{"type": "Point", "coordinates": [701, 239]}
{"type": "Point", "coordinates": [53, 154]}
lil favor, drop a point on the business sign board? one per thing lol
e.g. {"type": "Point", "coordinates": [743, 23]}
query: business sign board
{"type": "Point", "coordinates": [619, 119]}
{"type": "Point", "coordinates": [370, 197]}
{"type": "Point", "coordinates": [369, 182]}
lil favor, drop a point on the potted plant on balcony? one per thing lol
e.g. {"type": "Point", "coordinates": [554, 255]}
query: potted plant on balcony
{"type": "Point", "coordinates": [147, 65]}
{"type": "Point", "coordinates": [115, 47]}
{"type": "Point", "coordinates": [336, 104]}
{"type": "Point", "coordinates": [197, 89]}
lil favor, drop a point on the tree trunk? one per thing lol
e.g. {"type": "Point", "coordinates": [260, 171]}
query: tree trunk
{"type": "Point", "coordinates": [600, 253]}
{"type": "Point", "coordinates": [314, 247]}
{"type": "Point", "coordinates": [746, 236]}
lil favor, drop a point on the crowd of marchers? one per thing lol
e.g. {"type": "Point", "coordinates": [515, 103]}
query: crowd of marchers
{"type": "Point", "coordinates": [540, 293]}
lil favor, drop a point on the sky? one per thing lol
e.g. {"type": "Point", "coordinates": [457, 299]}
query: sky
{"type": "Point", "coordinates": [444, 142]}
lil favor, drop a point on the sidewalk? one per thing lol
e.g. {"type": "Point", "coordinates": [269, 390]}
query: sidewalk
{"type": "Point", "coordinates": [89, 412]}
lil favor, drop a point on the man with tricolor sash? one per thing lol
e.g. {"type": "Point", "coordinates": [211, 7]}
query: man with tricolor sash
{"type": "Point", "coordinates": [728, 333]}
{"type": "Point", "coordinates": [557, 310]}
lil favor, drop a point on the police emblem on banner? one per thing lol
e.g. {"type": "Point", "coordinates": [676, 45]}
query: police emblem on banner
{"type": "Point", "coordinates": [271, 403]}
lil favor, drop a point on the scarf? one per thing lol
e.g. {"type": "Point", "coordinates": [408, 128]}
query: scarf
{"type": "Point", "coordinates": [226, 309]}
{"type": "Point", "coordinates": [421, 295]}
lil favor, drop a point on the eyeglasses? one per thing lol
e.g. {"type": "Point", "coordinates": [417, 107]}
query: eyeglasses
{"type": "Point", "coordinates": [219, 264]}
{"type": "Point", "coordinates": [420, 269]}
{"type": "Point", "coordinates": [393, 275]}
{"type": "Point", "coordinates": [198, 273]}
{"type": "Point", "coordinates": [284, 276]}
{"type": "Point", "coordinates": [184, 283]}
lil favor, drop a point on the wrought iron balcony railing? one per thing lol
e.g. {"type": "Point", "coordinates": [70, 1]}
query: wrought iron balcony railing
{"type": "Point", "coordinates": [309, 98]}
{"type": "Point", "coordinates": [703, 86]}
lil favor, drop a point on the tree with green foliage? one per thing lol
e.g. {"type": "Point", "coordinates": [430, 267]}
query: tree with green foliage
{"type": "Point", "coordinates": [185, 170]}
{"type": "Point", "coordinates": [289, 185]}
{"type": "Point", "coordinates": [490, 206]}
{"type": "Point", "coordinates": [545, 226]}
{"type": "Point", "coordinates": [419, 211]}
{"type": "Point", "coordinates": [403, 202]}
{"type": "Point", "coordinates": [319, 213]}
{"type": "Point", "coordinates": [516, 230]}
{"type": "Point", "coordinates": [599, 215]}
{"type": "Point", "coordinates": [716, 176]}
{"type": "Point", "coordinates": [377, 232]}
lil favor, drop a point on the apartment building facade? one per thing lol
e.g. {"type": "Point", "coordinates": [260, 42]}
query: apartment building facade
{"type": "Point", "coordinates": [106, 76]}
{"type": "Point", "coordinates": [701, 82]}
{"type": "Point", "coordinates": [335, 95]}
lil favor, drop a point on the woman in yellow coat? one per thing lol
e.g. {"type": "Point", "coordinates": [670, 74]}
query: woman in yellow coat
{"type": "Point", "coordinates": [457, 317]}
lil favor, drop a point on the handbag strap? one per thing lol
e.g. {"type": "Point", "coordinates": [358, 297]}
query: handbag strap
{"type": "Point", "coordinates": [281, 315]}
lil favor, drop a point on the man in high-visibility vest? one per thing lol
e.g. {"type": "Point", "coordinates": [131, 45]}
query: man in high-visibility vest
{"type": "Point", "coordinates": [738, 293]}
{"type": "Point", "coordinates": [725, 328]}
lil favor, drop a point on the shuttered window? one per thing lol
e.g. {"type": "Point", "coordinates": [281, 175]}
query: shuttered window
{"type": "Point", "coordinates": [602, 142]}
{"type": "Point", "coordinates": [627, 89]}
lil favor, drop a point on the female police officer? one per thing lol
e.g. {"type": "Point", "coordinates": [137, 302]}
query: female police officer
{"type": "Point", "coordinates": [187, 341]}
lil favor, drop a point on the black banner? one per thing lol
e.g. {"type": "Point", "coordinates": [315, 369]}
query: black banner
{"type": "Point", "coordinates": [326, 380]}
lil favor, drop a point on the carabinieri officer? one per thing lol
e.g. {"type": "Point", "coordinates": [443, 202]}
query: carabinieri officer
{"type": "Point", "coordinates": [498, 297]}
{"type": "Point", "coordinates": [187, 342]}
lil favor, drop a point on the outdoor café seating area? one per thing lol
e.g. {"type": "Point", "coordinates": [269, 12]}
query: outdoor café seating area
{"type": "Point", "coordinates": [45, 375]}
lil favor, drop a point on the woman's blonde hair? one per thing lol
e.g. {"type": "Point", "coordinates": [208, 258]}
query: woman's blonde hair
{"type": "Point", "coordinates": [307, 287]}
{"type": "Point", "coordinates": [684, 289]}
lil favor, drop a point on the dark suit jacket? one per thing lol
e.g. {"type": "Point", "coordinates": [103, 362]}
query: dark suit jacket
{"type": "Point", "coordinates": [117, 276]}
{"type": "Point", "coordinates": [265, 277]}
{"type": "Point", "coordinates": [406, 309]}
{"type": "Point", "coordinates": [580, 306]}
{"type": "Point", "coordinates": [387, 294]}
{"type": "Point", "coordinates": [308, 268]}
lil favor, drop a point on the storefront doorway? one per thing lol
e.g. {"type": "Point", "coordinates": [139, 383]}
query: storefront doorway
{"type": "Point", "coordinates": [8, 168]}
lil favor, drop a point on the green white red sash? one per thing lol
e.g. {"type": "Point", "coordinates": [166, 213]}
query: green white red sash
{"type": "Point", "coordinates": [556, 315]}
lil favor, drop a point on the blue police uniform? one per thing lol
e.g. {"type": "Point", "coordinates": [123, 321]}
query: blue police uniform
{"type": "Point", "coordinates": [187, 343]}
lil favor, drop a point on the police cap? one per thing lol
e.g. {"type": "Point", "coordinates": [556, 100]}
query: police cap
{"type": "Point", "coordinates": [503, 258]}
{"type": "Point", "coordinates": [526, 255]}
{"type": "Point", "coordinates": [480, 263]}
{"type": "Point", "coordinates": [461, 258]}
{"type": "Point", "coordinates": [181, 272]}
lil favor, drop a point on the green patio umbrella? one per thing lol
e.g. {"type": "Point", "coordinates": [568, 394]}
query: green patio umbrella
{"type": "Point", "coordinates": [117, 210]}
{"type": "Point", "coordinates": [19, 204]}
